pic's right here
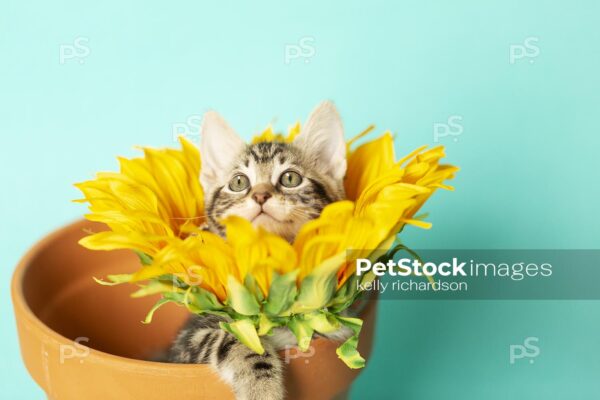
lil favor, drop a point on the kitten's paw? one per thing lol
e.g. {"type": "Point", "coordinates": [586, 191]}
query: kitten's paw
{"type": "Point", "coordinates": [265, 389]}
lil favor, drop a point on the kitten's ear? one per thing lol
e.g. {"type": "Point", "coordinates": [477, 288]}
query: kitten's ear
{"type": "Point", "coordinates": [219, 146]}
{"type": "Point", "coordinates": [322, 137]}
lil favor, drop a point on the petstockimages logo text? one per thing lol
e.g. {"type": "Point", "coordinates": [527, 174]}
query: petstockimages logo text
{"type": "Point", "coordinates": [454, 267]}
{"type": "Point", "coordinates": [451, 275]}
{"type": "Point", "coordinates": [401, 273]}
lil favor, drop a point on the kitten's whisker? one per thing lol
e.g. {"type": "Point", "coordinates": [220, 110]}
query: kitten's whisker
{"type": "Point", "coordinates": [303, 213]}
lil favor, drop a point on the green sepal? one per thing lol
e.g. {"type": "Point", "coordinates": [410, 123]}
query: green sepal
{"type": "Point", "coordinates": [322, 322]}
{"type": "Point", "coordinates": [114, 279]}
{"type": "Point", "coordinates": [240, 298]}
{"type": "Point", "coordinates": [348, 351]}
{"type": "Point", "coordinates": [319, 286]}
{"type": "Point", "coordinates": [145, 259]}
{"type": "Point", "coordinates": [199, 300]}
{"type": "Point", "coordinates": [345, 295]}
{"type": "Point", "coordinates": [282, 293]}
{"type": "Point", "coordinates": [245, 331]}
{"type": "Point", "coordinates": [153, 287]}
{"type": "Point", "coordinates": [155, 307]}
{"type": "Point", "coordinates": [167, 298]}
{"type": "Point", "coordinates": [177, 282]}
{"type": "Point", "coordinates": [266, 325]}
{"type": "Point", "coordinates": [253, 287]}
{"type": "Point", "coordinates": [302, 330]}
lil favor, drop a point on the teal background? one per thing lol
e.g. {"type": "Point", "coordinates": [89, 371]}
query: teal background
{"type": "Point", "coordinates": [528, 149]}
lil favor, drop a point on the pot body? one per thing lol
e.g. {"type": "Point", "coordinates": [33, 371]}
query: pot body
{"type": "Point", "coordinates": [80, 340]}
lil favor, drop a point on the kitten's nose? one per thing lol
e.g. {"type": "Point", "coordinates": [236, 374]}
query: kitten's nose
{"type": "Point", "coordinates": [261, 197]}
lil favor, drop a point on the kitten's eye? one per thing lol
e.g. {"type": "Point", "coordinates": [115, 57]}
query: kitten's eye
{"type": "Point", "coordinates": [238, 183]}
{"type": "Point", "coordinates": [290, 179]}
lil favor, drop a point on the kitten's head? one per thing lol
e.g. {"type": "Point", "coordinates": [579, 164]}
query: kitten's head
{"type": "Point", "coordinates": [278, 186]}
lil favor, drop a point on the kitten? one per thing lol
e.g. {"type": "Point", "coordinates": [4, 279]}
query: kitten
{"type": "Point", "coordinates": [278, 186]}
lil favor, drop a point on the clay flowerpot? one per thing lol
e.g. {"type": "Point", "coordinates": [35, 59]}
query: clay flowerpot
{"type": "Point", "coordinates": [80, 340]}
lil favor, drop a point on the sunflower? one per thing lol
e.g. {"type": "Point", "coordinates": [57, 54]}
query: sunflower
{"type": "Point", "coordinates": [254, 278]}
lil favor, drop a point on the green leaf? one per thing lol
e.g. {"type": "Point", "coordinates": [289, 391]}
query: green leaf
{"type": "Point", "coordinates": [282, 293]}
{"type": "Point", "coordinates": [245, 331]}
{"type": "Point", "coordinates": [240, 298]}
{"type": "Point", "coordinates": [348, 351]}
{"type": "Point", "coordinates": [319, 286]}
{"type": "Point", "coordinates": [302, 330]}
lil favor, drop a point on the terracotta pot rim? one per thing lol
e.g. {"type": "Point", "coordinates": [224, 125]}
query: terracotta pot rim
{"type": "Point", "coordinates": [96, 356]}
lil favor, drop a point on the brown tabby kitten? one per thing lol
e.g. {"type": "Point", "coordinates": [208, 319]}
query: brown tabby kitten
{"type": "Point", "coordinates": [278, 186]}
